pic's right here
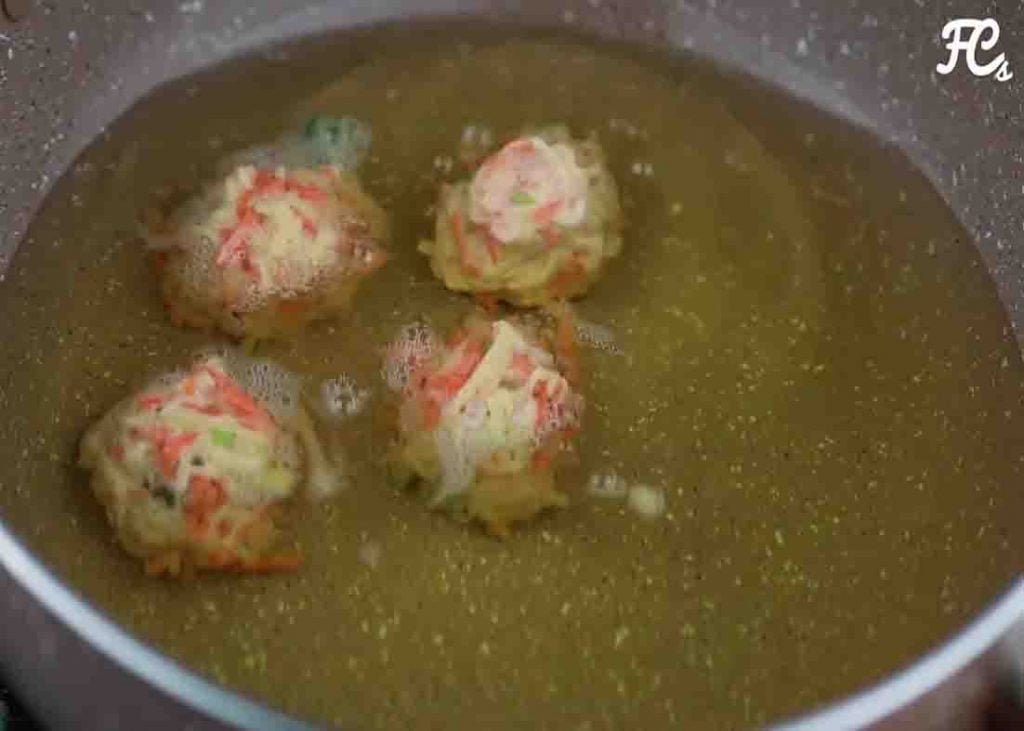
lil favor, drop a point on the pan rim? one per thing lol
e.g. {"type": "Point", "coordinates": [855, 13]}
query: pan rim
{"type": "Point", "coordinates": [898, 690]}
{"type": "Point", "coordinates": [132, 655]}
{"type": "Point", "coordinates": [902, 688]}
{"type": "Point", "coordinates": [860, 709]}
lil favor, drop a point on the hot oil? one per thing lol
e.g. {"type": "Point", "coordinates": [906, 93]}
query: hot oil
{"type": "Point", "coordinates": [810, 360]}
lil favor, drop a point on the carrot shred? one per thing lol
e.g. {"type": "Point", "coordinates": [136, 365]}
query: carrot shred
{"type": "Point", "coordinates": [204, 409]}
{"type": "Point", "coordinates": [545, 214]}
{"type": "Point", "coordinates": [151, 401]}
{"type": "Point", "coordinates": [234, 242]}
{"type": "Point", "coordinates": [244, 408]}
{"type": "Point", "coordinates": [493, 247]}
{"type": "Point", "coordinates": [565, 345]}
{"type": "Point", "coordinates": [308, 227]}
{"type": "Point", "coordinates": [268, 183]}
{"type": "Point", "coordinates": [205, 495]}
{"type": "Point", "coordinates": [540, 395]}
{"type": "Point", "coordinates": [461, 244]}
{"type": "Point", "coordinates": [168, 447]}
{"type": "Point", "coordinates": [439, 387]}
{"type": "Point", "coordinates": [309, 193]}
{"type": "Point", "coordinates": [240, 404]}
{"type": "Point", "coordinates": [447, 382]}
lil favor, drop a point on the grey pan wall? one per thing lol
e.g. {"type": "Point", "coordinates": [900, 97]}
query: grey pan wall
{"type": "Point", "coordinates": [68, 69]}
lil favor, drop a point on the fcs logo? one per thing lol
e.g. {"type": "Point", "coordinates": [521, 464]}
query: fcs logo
{"type": "Point", "coordinates": [965, 35]}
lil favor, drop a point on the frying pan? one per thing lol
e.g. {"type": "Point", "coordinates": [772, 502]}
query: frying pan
{"type": "Point", "coordinates": [68, 69]}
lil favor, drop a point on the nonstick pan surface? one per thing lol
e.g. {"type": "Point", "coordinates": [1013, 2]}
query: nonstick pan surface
{"type": "Point", "coordinates": [34, 305]}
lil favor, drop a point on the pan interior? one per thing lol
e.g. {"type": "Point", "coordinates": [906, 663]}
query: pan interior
{"type": "Point", "coordinates": [810, 360]}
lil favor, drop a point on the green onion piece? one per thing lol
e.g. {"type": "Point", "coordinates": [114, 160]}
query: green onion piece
{"type": "Point", "coordinates": [223, 438]}
{"type": "Point", "coordinates": [317, 125]}
{"type": "Point", "coordinates": [341, 141]}
{"type": "Point", "coordinates": [330, 130]}
{"type": "Point", "coordinates": [522, 198]}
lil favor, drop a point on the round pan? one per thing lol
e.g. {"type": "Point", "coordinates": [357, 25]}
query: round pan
{"type": "Point", "coordinates": [77, 668]}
